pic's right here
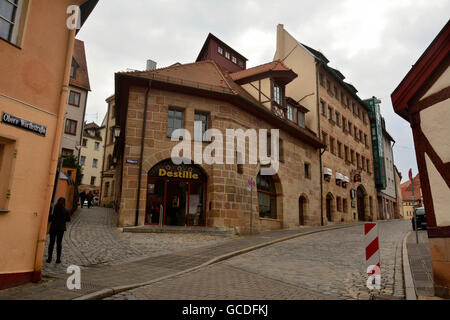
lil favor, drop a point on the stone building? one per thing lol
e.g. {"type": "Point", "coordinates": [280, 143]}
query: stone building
{"type": "Point", "coordinates": [91, 158]}
{"type": "Point", "coordinates": [341, 118]}
{"type": "Point", "coordinates": [79, 88]}
{"type": "Point", "coordinates": [108, 186]}
{"type": "Point", "coordinates": [153, 190]}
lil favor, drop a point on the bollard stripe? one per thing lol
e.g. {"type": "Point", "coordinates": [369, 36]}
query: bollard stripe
{"type": "Point", "coordinates": [372, 245]}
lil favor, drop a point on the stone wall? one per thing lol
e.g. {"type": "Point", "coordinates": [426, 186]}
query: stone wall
{"type": "Point", "coordinates": [228, 200]}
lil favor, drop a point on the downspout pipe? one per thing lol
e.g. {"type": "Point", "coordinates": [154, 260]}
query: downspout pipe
{"type": "Point", "coordinates": [144, 127]}
{"type": "Point", "coordinates": [40, 245]}
{"type": "Point", "coordinates": [319, 133]}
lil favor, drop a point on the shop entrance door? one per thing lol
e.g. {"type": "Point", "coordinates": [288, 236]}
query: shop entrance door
{"type": "Point", "coordinates": [176, 203]}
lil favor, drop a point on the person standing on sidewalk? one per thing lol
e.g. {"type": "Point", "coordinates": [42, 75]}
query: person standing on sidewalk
{"type": "Point", "coordinates": [89, 197]}
{"type": "Point", "coordinates": [82, 198]}
{"type": "Point", "coordinates": [57, 228]}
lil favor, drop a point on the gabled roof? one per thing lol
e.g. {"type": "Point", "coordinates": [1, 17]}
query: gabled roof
{"type": "Point", "coordinates": [421, 71]}
{"type": "Point", "coordinates": [213, 37]}
{"type": "Point", "coordinates": [204, 78]}
{"type": "Point", "coordinates": [276, 69]}
{"type": "Point", "coordinates": [406, 189]}
{"type": "Point", "coordinates": [81, 76]}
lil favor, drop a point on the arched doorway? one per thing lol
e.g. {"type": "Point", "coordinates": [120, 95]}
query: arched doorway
{"type": "Point", "coordinates": [176, 195]}
{"type": "Point", "coordinates": [302, 210]}
{"type": "Point", "coordinates": [329, 207]}
{"type": "Point", "coordinates": [360, 195]}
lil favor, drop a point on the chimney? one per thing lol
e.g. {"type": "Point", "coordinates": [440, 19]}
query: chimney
{"type": "Point", "coordinates": [151, 65]}
{"type": "Point", "coordinates": [280, 42]}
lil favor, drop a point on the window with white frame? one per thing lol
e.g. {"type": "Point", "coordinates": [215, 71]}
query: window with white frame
{"type": "Point", "coordinates": [301, 119]}
{"type": "Point", "coordinates": [277, 94]}
{"type": "Point", "coordinates": [220, 50]}
{"type": "Point", "coordinates": [10, 13]}
{"type": "Point", "coordinates": [290, 113]}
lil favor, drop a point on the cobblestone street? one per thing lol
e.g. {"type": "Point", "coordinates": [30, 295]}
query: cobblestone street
{"type": "Point", "coordinates": [326, 265]}
{"type": "Point", "coordinates": [92, 239]}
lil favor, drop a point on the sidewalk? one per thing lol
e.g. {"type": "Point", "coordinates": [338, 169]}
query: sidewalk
{"type": "Point", "coordinates": [420, 264]}
{"type": "Point", "coordinates": [105, 277]}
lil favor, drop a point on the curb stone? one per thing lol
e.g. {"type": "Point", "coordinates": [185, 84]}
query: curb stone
{"type": "Point", "coordinates": [410, 291]}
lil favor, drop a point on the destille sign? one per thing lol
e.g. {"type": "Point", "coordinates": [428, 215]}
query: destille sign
{"type": "Point", "coordinates": [24, 124]}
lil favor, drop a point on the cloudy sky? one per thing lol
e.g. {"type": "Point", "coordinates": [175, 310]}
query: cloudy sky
{"type": "Point", "coordinates": [373, 43]}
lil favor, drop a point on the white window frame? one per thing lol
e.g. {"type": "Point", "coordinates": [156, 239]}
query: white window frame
{"type": "Point", "coordinates": [290, 113]}
{"type": "Point", "coordinates": [16, 23]}
{"type": "Point", "coordinates": [220, 50]}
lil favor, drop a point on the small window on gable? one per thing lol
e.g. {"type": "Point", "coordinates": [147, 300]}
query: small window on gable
{"type": "Point", "coordinates": [227, 55]}
{"type": "Point", "coordinates": [278, 94]}
{"type": "Point", "coordinates": [233, 58]}
{"type": "Point", "coordinates": [219, 50]}
{"type": "Point", "coordinates": [301, 119]}
{"type": "Point", "coordinates": [290, 113]}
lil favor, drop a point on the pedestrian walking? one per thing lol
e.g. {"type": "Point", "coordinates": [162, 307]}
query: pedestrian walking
{"type": "Point", "coordinates": [57, 228]}
{"type": "Point", "coordinates": [90, 197]}
{"type": "Point", "coordinates": [82, 198]}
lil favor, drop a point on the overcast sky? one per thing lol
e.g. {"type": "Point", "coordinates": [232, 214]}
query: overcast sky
{"type": "Point", "coordinates": [373, 43]}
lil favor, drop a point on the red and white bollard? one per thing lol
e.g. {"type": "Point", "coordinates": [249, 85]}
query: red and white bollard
{"type": "Point", "coordinates": [373, 262]}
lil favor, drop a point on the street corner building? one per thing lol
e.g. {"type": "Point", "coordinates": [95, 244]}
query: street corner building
{"type": "Point", "coordinates": [343, 122]}
{"type": "Point", "coordinates": [422, 98]}
{"type": "Point", "coordinates": [222, 94]}
{"type": "Point", "coordinates": [36, 55]}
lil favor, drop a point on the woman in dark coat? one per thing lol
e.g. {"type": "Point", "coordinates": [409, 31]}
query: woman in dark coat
{"type": "Point", "coordinates": [57, 228]}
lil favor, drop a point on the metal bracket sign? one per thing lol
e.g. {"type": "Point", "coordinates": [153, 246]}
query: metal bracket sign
{"type": "Point", "coordinates": [24, 124]}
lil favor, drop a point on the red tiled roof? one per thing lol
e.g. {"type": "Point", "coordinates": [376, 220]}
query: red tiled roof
{"type": "Point", "coordinates": [407, 189]}
{"type": "Point", "coordinates": [267, 67]}
{"type": "Point", "coordinates": [207, 75]}
{"type": "Point", "coordinates": [82, 77]}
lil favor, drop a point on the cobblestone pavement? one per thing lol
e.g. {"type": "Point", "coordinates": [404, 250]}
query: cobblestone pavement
{"type": "Point", "coordinates": [92, 239]}
{"type": "Point", "coordinates": [333, 262]}
{"type": "Point", "coordinates": [420, 263]}
{"type": "Point", "coordinates": [220, 282]}
{"type": "Point", "coordinates": [327, 265]}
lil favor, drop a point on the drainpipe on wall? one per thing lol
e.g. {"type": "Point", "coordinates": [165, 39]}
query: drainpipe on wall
{"type": "Point", "coordinates": [54, 160]}
{"type": "Point", "coordinates": [320, 137]}
{"type": "Point", "coordinates": [144, 127]}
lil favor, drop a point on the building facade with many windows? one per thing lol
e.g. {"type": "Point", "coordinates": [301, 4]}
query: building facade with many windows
{"type": "Point", "coordinates": [91, 157]}
{"type": "Point", "coordinates": [76, 102]}
{"type": "Point", "coordinates": [341, 118]}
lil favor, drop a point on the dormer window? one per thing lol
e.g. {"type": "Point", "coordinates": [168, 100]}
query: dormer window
{"type": "Point", "coordinates": [241, 64]}
{"type": "Point", "coordinates": [227, 55]}
{"type": "Point", "coordinates": [301, 119]}
{"type": "Point", "coordinates": [290, 113]}
{"type": "Point", "coordinates": [234, 59]}
{"type": "Point", "coordinates": [278, 94]}
{"type": "Point", "coordinates": [220, 50]}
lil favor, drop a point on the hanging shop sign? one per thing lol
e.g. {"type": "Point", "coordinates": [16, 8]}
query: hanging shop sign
{"type": "Point", "coordinates": [24, 124]}
{"type": "Point", "coordinates": [356, 175]}
{"type": "Point", "coordinates": [377, 143]}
